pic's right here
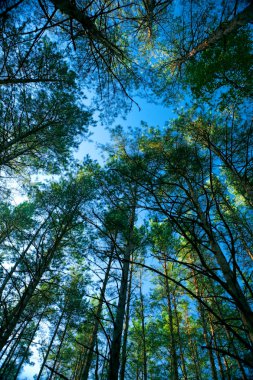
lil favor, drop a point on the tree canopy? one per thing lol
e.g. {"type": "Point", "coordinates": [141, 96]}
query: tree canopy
{"type": "Point", "coordinates": [139, 268]}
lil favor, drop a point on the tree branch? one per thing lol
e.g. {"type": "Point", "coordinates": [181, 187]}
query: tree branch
{"type": "Point", "coordinates": [56, 372]}
{"type": "Point", "coordinates": [225, 29]}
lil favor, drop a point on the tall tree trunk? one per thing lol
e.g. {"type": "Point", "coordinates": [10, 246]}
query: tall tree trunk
{"type": "Point", "coordinates": [231, 342]}
{"type": "Point", "coordinates": [205, 330]}
{"type": "Point", "coordinates": [215, 345]}
{"type": "Point", "coordinates": [20, 260]}
{"type": "Point", "coordinates": [59, 348]}
{"type": "Point", "coordinates": [13, 319]}
{"type": "Point", "coordinates": [173, 345]}
{"type": "Point", "coordinates": [243, 373]}
{"type": "Point", "coordinates": [232, 285]}
{"type": "Point", "coordinates": [89, 355]}
{"type": "Point", "coordinates": [28, 346]}
{"type": "Point", "coordinates": [9, 324]}
{"type": "Point", "coordinates": [182, 358]}
{"type": "Point", "coordinates": [78, 365]}
{"type": "Point", "coordinates": [241, 179]}
{"type": "Point", "coordinates": [10, 342]}
{"type": "Point", "coordinates": [97, 362]}
{"type": "Point", "coordinates": [105, 362]}
{"type": "Point", "coordinates": [50, 344]}
{"type": "Point", "coordinates": [9, 356]}
{"type": "Point", "coordinates": [145, 370]}
{"type": "Point", "coordinates": [125, 336]}
{"type": "Point", "coordinates": [228, 374]}
{"type": "Point", "coordinates": [114, 361]}
{"type": "Point", "coordinates": [193, 349]}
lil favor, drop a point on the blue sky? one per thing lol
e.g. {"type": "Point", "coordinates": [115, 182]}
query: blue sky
{"type": "Point", "coordinates": [153, 114]}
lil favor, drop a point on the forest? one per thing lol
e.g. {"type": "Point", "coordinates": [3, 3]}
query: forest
{"type": "Point", "coordinates": [139, 268]}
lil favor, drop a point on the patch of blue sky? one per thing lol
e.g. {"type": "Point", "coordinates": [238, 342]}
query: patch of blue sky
{"type": "Point", "coordinates": [155, 115]}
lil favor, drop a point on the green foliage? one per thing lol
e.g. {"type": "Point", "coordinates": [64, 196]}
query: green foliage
{"type": "Point", "coordinates": [227, 67]}
{"type": "Point", "coordinates": [40, 129]}
{"type": "Point", "coordinates": [152, 253]}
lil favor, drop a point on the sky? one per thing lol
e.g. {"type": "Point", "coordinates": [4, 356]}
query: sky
{"type": "Point", "coordinates": [152, 114]}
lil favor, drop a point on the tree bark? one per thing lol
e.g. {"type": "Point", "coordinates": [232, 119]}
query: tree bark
{"type": "Point", "coordinates": [20, 259]}
{"type": "Point", "coordinates": [125, 336]}
{"type": "Point", "coordinates": [89, 355]}
{"type": "Point", "coordinates": [54, 369]}
{"type": "Point", "coordinates": [173, 345]}
{"type": "Point", "coordinates": [214, 339]}
{"type": "Point", "coordinates": [9, 323]}
{"type": "Point", "coordinates": [232, 285]}
{"type": "Point", "coordinates": [205, 333]}
{"type": "Point", "coordinates": [28, 346]}
{"type": "Point", "coordinates": [114, 361]}
{"type": "Point", "coordinates": [10, 354]}
{"type": "Point", "coordinates": [50, 344]}
{"type": "Point", "coordinates": [145, 369]}
{"type": "Point", "coordinates": [70, 9]}
{"type": "Point", "coordinates": [184, 372]}
{"type": "Point", "coordinates": [193, 349]}
{"type": "Point", "coordinates": [224, 30]}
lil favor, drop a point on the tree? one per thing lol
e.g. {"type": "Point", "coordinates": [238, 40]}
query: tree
{"type": "Point", "coordinates": [59, 223]}
{"type": "Point", "coordinates": [140, 268]}
{"type": "Point", "coordinates": [227, 27]}
{"type": "Point", "coordinates": [39, 131]}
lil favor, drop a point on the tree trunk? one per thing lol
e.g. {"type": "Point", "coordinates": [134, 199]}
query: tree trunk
{"type": "Point", "coordinates": [193, 349]}
{"type": "Point", "coordinates": [124, 345]}
{"type": "Point", "coordinates": [232, 285]}
{"type": "Point", "coordinates": [228, 374]}
{"type": "Point", "coordinates": [180, 340]}
{"type": "Point", "coordinates": [10, 323]}
{"type": "Point", "coordinates": [225, 29]}
{"type": "Point", "coordinates": [231, 342]}
{"type": "Point", "coordinates": [59, 349]}
{"type": "Point", "coordinates": [145, 370]}
{"type": "Point", "coordinates": [97, 362]}
{"type": "Point", "coordinates": [89, 355]}
{"type": "Point", "coordinates": [28, 346]}
{"type": "Point", "coordinates": [114, 361]}
{"type": "Point", "coordinates": [244, 181]}
{"type": "Point", "coordinates": [19, 260]}
{"type": "Point", "coordinates": [205, 333]}
{"type": "Point", "coordinates": [4, 366]}
{"type": "Point", "coordinates": [243, 374]}
{"type": "Point", "coordinates": [173, 345]}
{"type": "Point", "coordinates": [70, 9]}
{"type": "Point", "coordinates": [50, 344]}
{"type": "Point", "coordinates": [217, 352]}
